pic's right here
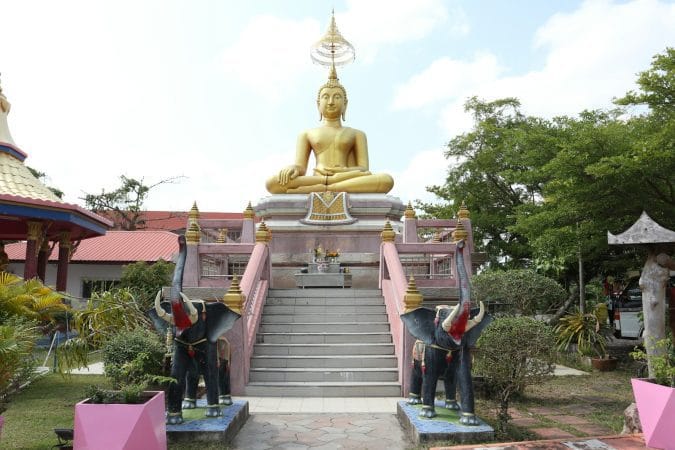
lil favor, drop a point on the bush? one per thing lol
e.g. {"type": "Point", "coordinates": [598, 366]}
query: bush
{"type": "Point", "coordinates": [518, 291]}
{"type": "Point", "coordinates": [514, 352]}
{"type": "Point", "coordinates": [145, 280]}
{"type": "Point", "coordinates": [133, 357]}
{"type": "Point", "coordinates": [17, 366]}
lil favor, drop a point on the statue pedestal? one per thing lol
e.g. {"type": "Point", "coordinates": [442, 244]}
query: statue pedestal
{"type": "Point", "coordinates": [349, 223]}
{"type": "Point", "coordinates": [443, 427]}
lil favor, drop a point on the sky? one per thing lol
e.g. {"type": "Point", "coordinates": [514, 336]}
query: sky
{"type": "Point", "coordinates": [215, 92]}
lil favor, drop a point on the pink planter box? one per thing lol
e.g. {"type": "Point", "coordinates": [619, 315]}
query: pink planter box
{"type": "Point", "coordinates": [656, 406]}
{"type": "Point", "coordinates": [118, 426]}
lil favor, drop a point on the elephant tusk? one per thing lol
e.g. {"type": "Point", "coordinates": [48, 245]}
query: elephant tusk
{"type": "Point", "coordinates": [447, 323]}
{"type": "Point", "coordinates": [193, 314]}
{"type": "Point", "coordinates": [167, 317]}
{"type": "Point", "coordinates": [477, 319]}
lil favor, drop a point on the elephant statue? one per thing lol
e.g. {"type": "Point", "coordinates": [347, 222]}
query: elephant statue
{"type": "Point", "coordinates": [194, 371]}
{"type": "Point", "coordinates": [448, 334]}
{"type": "Point", "coordinates": [197, 325]}
{"type": "Point", "coordinates": [418, 369]}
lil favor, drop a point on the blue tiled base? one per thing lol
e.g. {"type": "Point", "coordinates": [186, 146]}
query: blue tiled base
{"type": "Point", "coordinates": [210, 429]}
{"type": "Point", "coordinates": [422, 430]}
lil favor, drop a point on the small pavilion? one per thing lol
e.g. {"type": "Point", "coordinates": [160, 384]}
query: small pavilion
{"type": "Point", "coordinates": [30, 211]}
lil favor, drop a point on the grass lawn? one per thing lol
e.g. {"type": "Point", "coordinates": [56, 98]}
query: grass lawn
{"type": "Point", "coordinates": [46, 404]}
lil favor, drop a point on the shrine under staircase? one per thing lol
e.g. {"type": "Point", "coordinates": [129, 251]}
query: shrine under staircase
{"type": "Point", "coordinates": [324, 342]}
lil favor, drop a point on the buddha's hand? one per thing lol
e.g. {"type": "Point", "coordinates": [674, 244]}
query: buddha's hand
{"type": "Point", "coordinates": [335, 170]}
{"type": "Point", "coordinates": [287, 174]}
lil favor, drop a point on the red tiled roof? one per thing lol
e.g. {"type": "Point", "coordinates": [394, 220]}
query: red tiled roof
{"type": "Point", "coordinates": [114, 246]}
{"type": "Point", "coordinates": [171, 220]}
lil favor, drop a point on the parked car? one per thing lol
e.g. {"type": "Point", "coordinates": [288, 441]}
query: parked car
{"type": "Point", "coordinates": [628, 308]}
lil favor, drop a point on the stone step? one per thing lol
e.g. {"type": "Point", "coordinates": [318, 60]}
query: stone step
{"type": "Point", "coordinates": [331, 361]}
{"type": "Point", "coordinates": [322, 349]}
{"type": "Point", "coordinates": [323, 317]}
{"type": "Point", "coordinates": [324, 301]}
{"type": "Point", "coordinates": [323, 389]}
{"type": "Point", "coordinates": [323, 292]}
{"type": "Point", "coordinates": [323, 338]}
{"type": "Point", "coordinates": [309, 374]}
{"type": "Point", "coordinates": [326, 327]}
{"type": "Point", "coordinates": [318, 309]}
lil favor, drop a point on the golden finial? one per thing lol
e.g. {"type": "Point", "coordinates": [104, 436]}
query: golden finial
{"type": "Point", "coordinates": [193, 215]}
{"type": "Point", "coordinates": [460, 232]}
{"type": "Point", "coordinates": [234, 298]}
{"type": "Point", "coordinates": [412, 298]}
{"type": "Point", "coordinates": [263, 234]}
{"type": "Point", "coordinates": [437, 237]}
{"type": "Point", "coordinates": [193, 234]}
{"type": "Point", "coordinates": [332, 49]}
{"type": "Point", "coordinates": [388, 234]}
{"type": "Point", "coordinates": [222, 236]}
{"type": "Point", "coordinates": [409, 212]}
{"type": "Point", "coordinates": [463, 211]}
{"type": "Point", "coordinates": [248, 212]}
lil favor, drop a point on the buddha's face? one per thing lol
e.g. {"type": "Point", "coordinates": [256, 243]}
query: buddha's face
{"type": "Point", "coordinates": [332, 102]}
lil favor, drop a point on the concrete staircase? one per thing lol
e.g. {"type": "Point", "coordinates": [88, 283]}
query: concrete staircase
{"type": "Point", "coordinates": [324, 343]}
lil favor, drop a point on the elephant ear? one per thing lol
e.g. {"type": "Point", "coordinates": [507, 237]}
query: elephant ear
{"type": "Point", "coordinates": [420, 324]}
{"type": "Point", "coordinates": [471, 336]}
{"type": "Point", "coordinates": [160, 324]}
{"type": "Point", "coordinates": [219, 319]}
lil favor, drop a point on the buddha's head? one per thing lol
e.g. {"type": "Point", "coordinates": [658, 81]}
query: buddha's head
{"type": "Point", "coordinates": [332, 94]}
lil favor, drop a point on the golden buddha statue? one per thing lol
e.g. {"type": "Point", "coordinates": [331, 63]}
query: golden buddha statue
{"type": "Point", "coordinates": [341, 153]}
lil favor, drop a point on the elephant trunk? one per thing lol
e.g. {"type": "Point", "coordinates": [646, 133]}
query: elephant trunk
{"type": "Point", "coordinates": [180, 317]}
{"type": "Point", "coordinates": [456, 323]}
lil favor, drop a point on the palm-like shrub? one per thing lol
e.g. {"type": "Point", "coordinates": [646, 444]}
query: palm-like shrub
{"type": "Point", "coordinates": [585, 331]}
{"type": "Point", "coordinates": [17, 339]}
{"type": "Point", "coordinates": [105, 315]}
{"type": "Point", "coordinates": [30, 299]}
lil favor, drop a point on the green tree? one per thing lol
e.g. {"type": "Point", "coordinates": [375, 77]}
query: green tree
{"type": "Point", "coordinates": [144, 280]}
{"type": "Point", "coordinates": [491, 171]}
{"type": "Point", "coordinates": [124, 204]}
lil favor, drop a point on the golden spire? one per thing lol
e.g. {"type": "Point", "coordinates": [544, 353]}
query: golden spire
{"type": "Point", "coordinates": [463, 211]}
{"type": "Point", "coordinates": [248, 212]}
{"type": "Point", "coordinates": [460, 232]}
{"type": "Point", "coordinates": [263, 234]}
{"type": "Point", "coordinates": [332, 49]}
{"type": "Point", "coordinates": [222, 236]}
{"type": "Point", "coordinates": [388, 234]}
{"type": "Point", "coordinates": [409, 212]}
{"type": "Point", "coordinates": [193, 215]}
{"type": "Point", "coordinates": [234, 298]}
{"type": "Point", "coordinates": [412, 298]}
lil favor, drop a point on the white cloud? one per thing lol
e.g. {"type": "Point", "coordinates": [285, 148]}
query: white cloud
{"type": "Point", "coordinates": [369, 25]}
{"type": "Point", "coordinates": [444, 78]}
{"type": "Point", "coordinates": [270, 53]}
{"type": "Point", "coordinates": [426, 168]}
{"type": "Point", "coordinates": [594, 54]}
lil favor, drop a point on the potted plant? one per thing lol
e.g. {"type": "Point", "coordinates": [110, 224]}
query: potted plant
{"type": "Point", "coordinates": [587, 333]}
{"type": "Point", "coordinates": [655, 397]}
{"type": "Point", "coordinates": [130, 416]}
